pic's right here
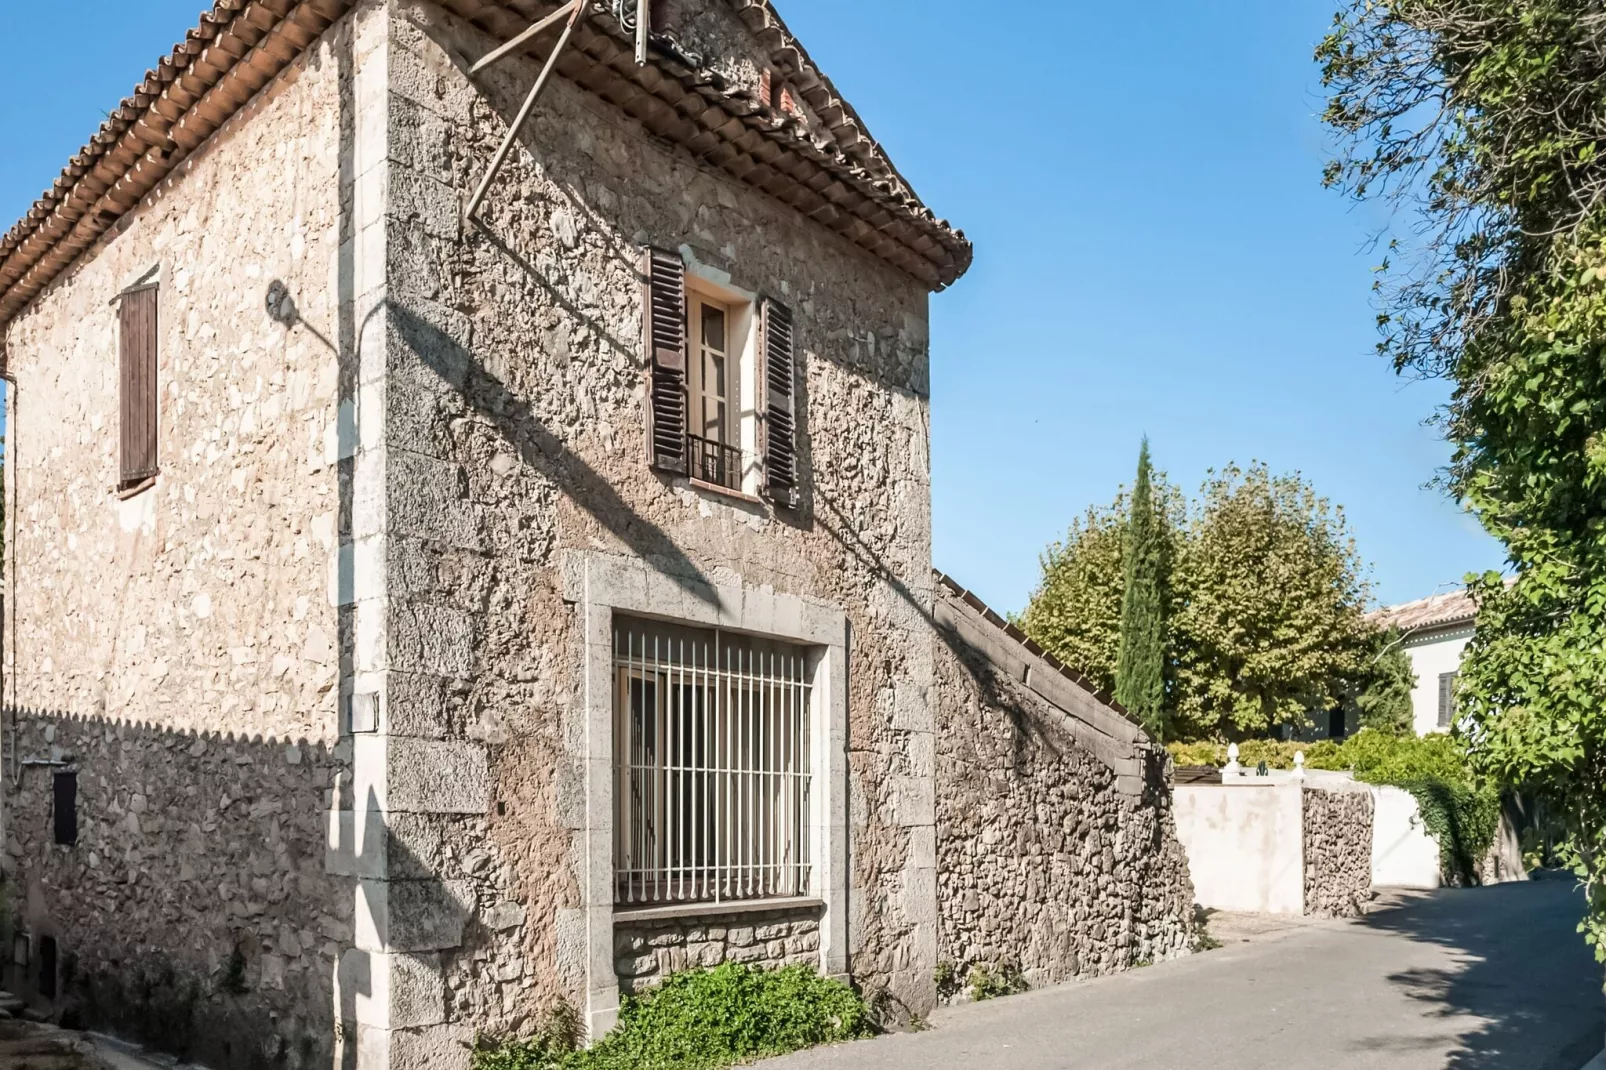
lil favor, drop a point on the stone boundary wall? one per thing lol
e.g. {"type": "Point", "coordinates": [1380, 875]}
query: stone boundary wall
{"type": "Point", "coordinates": [1338, 852]}
{"type": "Point", "coordinates": [194, 912]}
{"type": "Point", "coordinates": [1047, 861]}
{"type": "Point", "coordinates": [647, 952]}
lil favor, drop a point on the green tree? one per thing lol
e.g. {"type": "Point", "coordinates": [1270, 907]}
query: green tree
{"type": "Point", "coordinates": [1272, 620]}
{"type": "Point", "coordinates": [1141, 674]}
{"type": "Point", "coordinates": [1263, 610]}
{"type": "Point", "coordinates": [1383, 692]}
{"type": "Point", "coordinates": [1484, 119]}
{"type": "Point", "coordinates": [1075, 613]}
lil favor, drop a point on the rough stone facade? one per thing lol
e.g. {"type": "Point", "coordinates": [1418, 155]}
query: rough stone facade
{"type": "Point", "coordinates": [522, 357]}
{"type": "Point", "coordinates": [1046, 861]}
{"type": "Point", "coordinates": [337, 688]}
{"type": "Point", "coordinates": [646, 952]}
{"type": "Point", "coordinates": [179, 650]}
{"type": "Point", "coordinates": [1338, 852]}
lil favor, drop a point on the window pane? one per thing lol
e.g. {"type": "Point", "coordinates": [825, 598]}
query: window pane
{"type": "Point", "coordinates": [711, 766]}
{"type": "Point", "coordinates": [714, 328]}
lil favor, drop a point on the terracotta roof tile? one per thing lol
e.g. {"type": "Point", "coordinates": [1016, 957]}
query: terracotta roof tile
{"type": "Point", "coordinates": [237, 47]}
{"type": "Point", "coordinates": [1437, 611]}
{"type": "Point", "coordinates": [843, 178]}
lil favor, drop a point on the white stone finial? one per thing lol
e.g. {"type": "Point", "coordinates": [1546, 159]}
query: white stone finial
{"type": "Point", "coordinates": [1232, 768]}
{"type": "Point", "coordinates": [1299, 766]}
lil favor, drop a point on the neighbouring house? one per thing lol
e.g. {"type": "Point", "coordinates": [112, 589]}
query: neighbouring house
{"type": "Point", "coordinates": [1434, 632]}
{"type": "Point", "coordinates": [415, 617]}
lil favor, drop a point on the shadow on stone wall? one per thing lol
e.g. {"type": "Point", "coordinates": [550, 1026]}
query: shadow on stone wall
{"type": "Point", "coordinates": [1045, 865]}
{"type": "Point", "coordinates": [197, 911]}
{"type": "Point", "coordinates": [543, 450]}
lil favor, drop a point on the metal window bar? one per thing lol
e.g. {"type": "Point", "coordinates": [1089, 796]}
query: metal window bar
{"type": "Point", "coordinates": [714, 462]}
{"type": "Point", "coordinates": [712, 776]}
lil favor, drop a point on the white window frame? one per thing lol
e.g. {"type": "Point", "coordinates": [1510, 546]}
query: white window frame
{"type": "Point", "coordinates": [601, 585]}
{"type": "Point", "coordinates": [729, 434]}
{"type": "Point", "coordinates": [742, 341]}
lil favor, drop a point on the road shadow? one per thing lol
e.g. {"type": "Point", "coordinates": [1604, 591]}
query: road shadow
{"type": "Point", "coordinates": [1524, 971]}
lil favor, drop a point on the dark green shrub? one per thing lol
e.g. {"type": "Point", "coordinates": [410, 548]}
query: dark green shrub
{"type": "Point", "coordinates": [1463, 819]}
{"type": "Point", "coordinates": [557, 1040]}
{"type": "Point", "coordinates": [703, 1020]}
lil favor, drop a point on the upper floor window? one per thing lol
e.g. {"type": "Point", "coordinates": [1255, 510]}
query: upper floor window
{"type": "Point", "coordinates": [714, 440]}
{"type": "Point", "coordinates": [137, 387]}
{"type": "Point", "coordinates": [722, 377]}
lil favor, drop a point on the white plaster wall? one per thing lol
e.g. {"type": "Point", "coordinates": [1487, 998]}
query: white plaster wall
{"type": "Point", "coordinates": [1403, 854]}
{"type": "Point", "coordinates": [1429, 658]}
{"type": "Point", "coordinates": [1246, 846]}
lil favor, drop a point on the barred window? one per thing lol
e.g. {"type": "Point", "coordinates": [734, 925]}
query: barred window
{"type": "Point", "coordinates": [712, 784]}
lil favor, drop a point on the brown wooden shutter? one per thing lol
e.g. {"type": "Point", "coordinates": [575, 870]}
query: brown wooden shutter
{"type": "Point", "coordinates": [137, 386]}
{"type": "Point", "coordinates": [1447, 699]}
{"type": "Point", "coordinates": [666, 360]}
{"type": "Point", "coordinates": [780, 406]}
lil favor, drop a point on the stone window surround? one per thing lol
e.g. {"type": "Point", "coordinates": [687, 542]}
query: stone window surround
{"type": "Point", "coordinates": [600, 585]}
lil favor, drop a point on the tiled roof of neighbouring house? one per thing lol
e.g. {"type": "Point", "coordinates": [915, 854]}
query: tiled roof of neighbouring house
{"type": "Point", "coordinates": [841, 178]}
{"type": "Point", "coordinates": [1438, 611]}
{"type": "Point", "coordinates": [238, 47]}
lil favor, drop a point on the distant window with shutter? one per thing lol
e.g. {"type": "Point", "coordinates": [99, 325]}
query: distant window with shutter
{"type": "Point", "coordinates": [1447, 699]}
{"type": "Point", "coordinates": [137, 387]}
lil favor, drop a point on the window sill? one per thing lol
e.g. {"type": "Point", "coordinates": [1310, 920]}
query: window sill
{"type": "Point", "coordinates": [726, 492]}
{"type": "Point", "coordinates": [134, 490]}
{"type": "Point", "coordinates": [625, 915]}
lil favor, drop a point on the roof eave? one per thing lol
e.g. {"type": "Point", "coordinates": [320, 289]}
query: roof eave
{"type": "Point", "coordinates": [846, 183]}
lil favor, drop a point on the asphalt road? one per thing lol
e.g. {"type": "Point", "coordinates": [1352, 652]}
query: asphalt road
{"type": "Point", "coordinates": [1483, 979]}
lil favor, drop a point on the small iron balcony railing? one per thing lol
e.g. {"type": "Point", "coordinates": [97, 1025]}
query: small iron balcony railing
{"type": "Point", "coordinates": [714, 462]}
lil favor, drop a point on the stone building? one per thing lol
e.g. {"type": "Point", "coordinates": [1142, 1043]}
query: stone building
{"type": "Point", "coordinates": [414, 618]}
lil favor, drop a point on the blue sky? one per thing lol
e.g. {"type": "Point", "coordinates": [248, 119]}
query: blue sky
{"type": "Point", "coordinates": [1155, 254]}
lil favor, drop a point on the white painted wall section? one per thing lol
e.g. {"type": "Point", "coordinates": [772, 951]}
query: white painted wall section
{"type": "Point", "coordinates": [1432, 656]}
{"type": "Point", "coordinates": [1246, 846]}
{"type": "Point", "coordinates": [1404, 855]}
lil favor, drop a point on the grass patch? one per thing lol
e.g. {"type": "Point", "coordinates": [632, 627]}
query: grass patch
{"type": "Point", "coordinates": [698, 1020]}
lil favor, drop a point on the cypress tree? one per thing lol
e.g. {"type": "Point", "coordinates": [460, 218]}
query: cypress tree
{"type": "Point", "coordinates": [1140, 673]}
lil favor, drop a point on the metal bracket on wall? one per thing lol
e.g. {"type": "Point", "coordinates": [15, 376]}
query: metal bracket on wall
{"type": "Point", "coordinates": [572, 11]}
